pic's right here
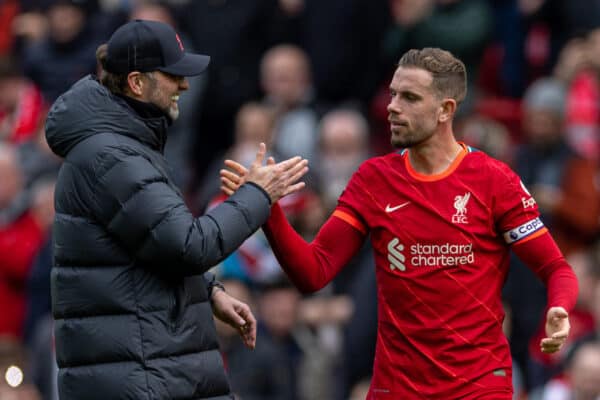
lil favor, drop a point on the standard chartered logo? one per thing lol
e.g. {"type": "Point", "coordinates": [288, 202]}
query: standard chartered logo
{"type": "Point", "coordinates": [395, 256]}
{"type": "Point", "coordinates": [429, 255]}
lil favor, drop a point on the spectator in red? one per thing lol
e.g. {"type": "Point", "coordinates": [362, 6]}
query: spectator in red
{"type": "Point", "coordinates": [22, 231]}
{"type": "Point", "coordinates": [21, 104]}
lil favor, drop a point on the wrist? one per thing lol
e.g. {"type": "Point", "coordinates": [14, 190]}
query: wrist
{"type": "Point", "coordinates": [214, 287]}
{"type": "Point", "coordinates": [256, 185]}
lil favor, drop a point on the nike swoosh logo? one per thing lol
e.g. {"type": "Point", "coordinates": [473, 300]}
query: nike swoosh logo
{"type": "Point", "coordinates": [389, 209]}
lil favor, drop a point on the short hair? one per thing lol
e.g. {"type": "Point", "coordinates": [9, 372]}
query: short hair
{"type": "Point", "coordinates": [449, 73]}
{"type": "Point", "coordinates": [116, 83]}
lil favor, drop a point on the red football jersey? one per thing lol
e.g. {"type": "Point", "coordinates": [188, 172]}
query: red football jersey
{"type": "Point", "coordinates": [441, 247]}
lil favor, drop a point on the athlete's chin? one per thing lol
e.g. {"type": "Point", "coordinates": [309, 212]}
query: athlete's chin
{"type": "Point", "coordinates": [400, 142]}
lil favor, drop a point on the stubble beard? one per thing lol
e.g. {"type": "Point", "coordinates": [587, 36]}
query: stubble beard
{"type": "Point", "coordinates": [172, 110]}
{"type": "Point", "coordinates": [159, 99]}
{"type": "Point", "coordinates": [403, 141]}
{"type": "Point", "coordinates": [411, 139]}
{"type": "Point", "coordinates": [413, 135]}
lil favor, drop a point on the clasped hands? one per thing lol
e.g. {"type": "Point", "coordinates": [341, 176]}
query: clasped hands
{"type": "Point", "coordinates": [277, 180]}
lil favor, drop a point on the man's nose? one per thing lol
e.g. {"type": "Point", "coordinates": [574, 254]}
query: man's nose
{"type": "Point", "coordinates": [393, 107]}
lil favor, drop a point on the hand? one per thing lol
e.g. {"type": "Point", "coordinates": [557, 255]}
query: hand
{"type": "Point", "coordinates": [277, 179]}
{"type": "Point", "coordinates": [557, 330]}
{"type": "Point", "coordinates": [235, 314]}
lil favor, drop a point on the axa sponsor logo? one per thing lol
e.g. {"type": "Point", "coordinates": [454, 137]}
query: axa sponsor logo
{"type": "Point", "coordinates": [523, 230]}
{"type": "Point", "coordinates": [460, 204]}
{"type": "Point", "coordinates": [429, 255]}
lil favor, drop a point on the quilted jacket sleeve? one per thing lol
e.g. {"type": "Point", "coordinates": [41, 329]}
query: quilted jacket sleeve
{"type": "Point", "coordinates": [136, 204]}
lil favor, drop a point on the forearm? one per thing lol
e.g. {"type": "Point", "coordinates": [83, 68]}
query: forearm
{"type": "Point", "coordinates": [544, 258]}
{"type": "Point", "coordinates": [234, 221]}
{"type": "Point", "coordinates": [562, 286]}
{"type": "Point", "coordinates": [310, 266]}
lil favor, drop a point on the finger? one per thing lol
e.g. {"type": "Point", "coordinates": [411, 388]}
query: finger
{"type": "Point", "coordinates": [552, 343]}
{"type": "Point", "coordinates": [549, 350]}
{"type": "Point", "coordinates": [260, 155]}
{"type": "Point", "coordinates": [297, 167]}
{"type": "Point", "coordinates": [249, 330]}
{"type": "Point", "coordinates": [289, 163]}
{"type": "Point", "coordinates": [270, 161]}
{"type": "Point", "coordinates": [294, 188]}
{"type": "Point", "coordinates": [557, 313]}
{"type": "Point", "coordinates": [236, 167]}
{"type": "Point", "coordinates": [250, 341]}
{"type": "Point", "coordinates": [235, 178]}
{"type": "Point", "coordinates": [560, 313]}
{"type": "Point", "coordinates": [298, 186]}
{"type": "Point", "coordinates": [297, 172]}
{"type": "Point", "coordinates": [562, 335]}
{"type": "Point", "coordinates": [227, 191]}
{"type": "Point", "coordinates": [229, 185]}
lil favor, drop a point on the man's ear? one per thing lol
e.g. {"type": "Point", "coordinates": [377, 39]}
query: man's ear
{"type": "Point", "coordinates": [447, 110]}
{"type": "Point", "coordinates": [135, 82]}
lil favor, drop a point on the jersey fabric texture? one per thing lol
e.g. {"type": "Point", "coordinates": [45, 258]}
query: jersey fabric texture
{"type": "Point", "coordinates": [441, 253]}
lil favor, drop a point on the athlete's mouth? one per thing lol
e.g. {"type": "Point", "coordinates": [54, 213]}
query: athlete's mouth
{"type": "Point", "coordinates": [397, 124]}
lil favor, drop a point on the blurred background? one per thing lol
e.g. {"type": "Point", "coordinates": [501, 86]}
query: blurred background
{"type": "Point", "coordinates": [311, 77]}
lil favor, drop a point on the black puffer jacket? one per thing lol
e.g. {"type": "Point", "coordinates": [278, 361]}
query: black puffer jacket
{"type": "Point", "coordinates": [129, 289]}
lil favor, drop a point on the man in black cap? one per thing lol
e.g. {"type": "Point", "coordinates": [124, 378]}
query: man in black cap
{"type": "Point", "coordinates": [131, 296]}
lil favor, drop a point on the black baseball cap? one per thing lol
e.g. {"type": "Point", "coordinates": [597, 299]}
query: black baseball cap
{"type": "Point", "coordinates": [149, 46]}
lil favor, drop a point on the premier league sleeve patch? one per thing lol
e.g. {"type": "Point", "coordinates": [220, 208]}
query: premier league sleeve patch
{"type": "Point", "coordinates": [523, 231]}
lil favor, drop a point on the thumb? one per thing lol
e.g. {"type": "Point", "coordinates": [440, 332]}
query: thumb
{"type": "Point", "coordinates": [558, 312]}
{"type": "Point", "coordinates": [260, 155]}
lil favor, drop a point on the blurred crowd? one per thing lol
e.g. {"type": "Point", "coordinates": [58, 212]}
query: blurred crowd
{"type": "Point", "coordinates": [310, 78]}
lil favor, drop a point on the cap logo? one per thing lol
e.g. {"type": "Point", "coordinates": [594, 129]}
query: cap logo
{"type": "Point", "coordinates": [179, 41]}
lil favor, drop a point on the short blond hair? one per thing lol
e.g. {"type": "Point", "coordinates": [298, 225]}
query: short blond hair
{"type": "Point", "coordinates": [449, 73]}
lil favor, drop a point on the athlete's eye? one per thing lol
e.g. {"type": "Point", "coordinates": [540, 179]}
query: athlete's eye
{"type": "Point", "coordinates": [411, 97]}
{"type": "Point", "coordinates": [393, 93]}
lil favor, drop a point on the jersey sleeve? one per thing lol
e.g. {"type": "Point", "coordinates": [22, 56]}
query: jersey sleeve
{"type": "Point", "coordinates": [544, 258]}
{"type": "Point", "coordinates": [515, 211]}
{"type": "Point", "coordinates": [353, 202]}
{"type": "Point", "coordinates": [310, 266]}
{"type": "Point", "coordinates": [518, 219]}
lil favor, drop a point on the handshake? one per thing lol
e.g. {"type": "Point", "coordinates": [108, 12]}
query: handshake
{"type": "Point", "coordinates": [276, 179]}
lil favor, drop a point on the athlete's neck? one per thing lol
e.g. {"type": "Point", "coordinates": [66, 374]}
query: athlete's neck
{"type": "Point", "coordinates": [434, 157]}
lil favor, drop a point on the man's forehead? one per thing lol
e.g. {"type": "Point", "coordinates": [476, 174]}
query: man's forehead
{"type": "Point", "coordinates": [411, 77]}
